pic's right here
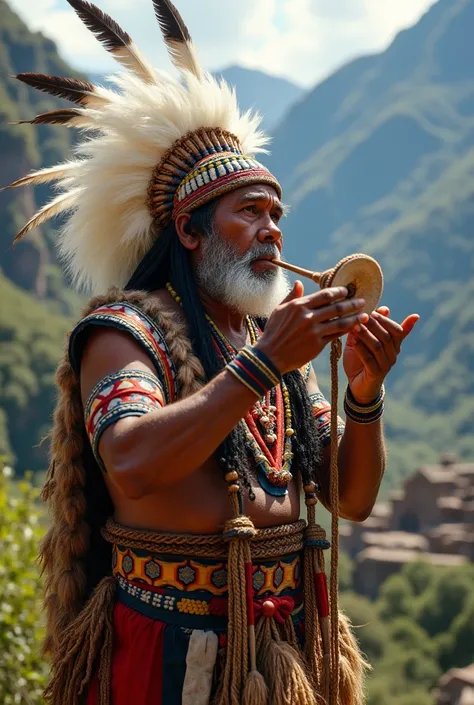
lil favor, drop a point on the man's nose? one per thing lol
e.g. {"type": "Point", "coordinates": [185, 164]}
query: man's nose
{"type": "Point", "coordinates": [270, 232]}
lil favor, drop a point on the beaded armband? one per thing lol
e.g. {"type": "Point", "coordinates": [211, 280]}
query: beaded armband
{"type": "Point", "coordinates": [322, 416]}
{"type": "Point", "coordinates": [121, 394]}
{"type": "Point", "coordinates": [364, 413]}
{"type": "Point", "coordinates": [253, 368]}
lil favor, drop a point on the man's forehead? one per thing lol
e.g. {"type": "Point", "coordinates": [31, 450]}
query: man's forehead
{"type": "Point", "coordinates": [259, 191]}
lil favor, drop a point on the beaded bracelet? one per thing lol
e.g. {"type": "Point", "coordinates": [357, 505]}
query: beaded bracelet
{"type": "Point", "coordinates": [253, 368]}
{"type": "Point", "coordinates": [364, 413]}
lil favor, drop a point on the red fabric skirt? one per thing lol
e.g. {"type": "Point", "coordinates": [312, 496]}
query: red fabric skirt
{"type": "Point", "coordinates": [162, 602]}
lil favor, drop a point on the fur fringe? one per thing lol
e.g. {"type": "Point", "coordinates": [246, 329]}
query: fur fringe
{"type": "Point", "coordinates": [65, 549]}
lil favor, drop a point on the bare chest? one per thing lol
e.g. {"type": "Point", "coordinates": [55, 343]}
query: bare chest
{"type": "Point", "coordinates": [201, 504]}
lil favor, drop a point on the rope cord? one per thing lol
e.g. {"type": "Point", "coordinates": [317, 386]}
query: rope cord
{"type": "Point", "coordinates": [267, 543]}
{"type": "Point", "coordinates": [336, 351]}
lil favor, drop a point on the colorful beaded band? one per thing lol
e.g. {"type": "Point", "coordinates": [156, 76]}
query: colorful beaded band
{"type": "Point", "coordinates": [217, 174]}
{"type": "Point", "coordinates": [132, 320]}
{"type": "Point", "coordinates": [364, 413]}
{"type": "Point", "coordinates": [121, 394]}
{"type": "Point", "coordinates": [322, 416]}
{"type": "Point", "coordinates": [253, 368]}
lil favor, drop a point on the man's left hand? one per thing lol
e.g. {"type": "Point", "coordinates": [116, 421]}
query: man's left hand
{"type": "Point", "coordinates": [372, 350]}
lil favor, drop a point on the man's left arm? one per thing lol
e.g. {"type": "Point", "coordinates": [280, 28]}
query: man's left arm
{"type": "Point", "coordinates": [370, 353]}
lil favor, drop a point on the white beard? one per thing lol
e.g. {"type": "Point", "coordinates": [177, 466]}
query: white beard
{"type": "Point", "coordinates": [230, 280]}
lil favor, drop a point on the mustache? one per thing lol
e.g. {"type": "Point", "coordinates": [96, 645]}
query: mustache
{"type": "Point", "coordinates": [259, 251]}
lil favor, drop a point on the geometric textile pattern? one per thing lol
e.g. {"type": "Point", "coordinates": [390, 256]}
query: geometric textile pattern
{"type": "Point", "coordinates": [183, 574]}
{"type": "Point", "coordinates": [118, 395]}
{"type": "Point", "coordinates": [322, 415]}
{"type": "Point", "coordinates": [132, 320]}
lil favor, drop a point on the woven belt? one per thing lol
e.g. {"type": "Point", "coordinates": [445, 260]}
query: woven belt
{"type": "Point", "coordinates": [192, 593]}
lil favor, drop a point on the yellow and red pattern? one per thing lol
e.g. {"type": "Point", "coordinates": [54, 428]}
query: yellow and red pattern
{"type": "Point", "coordinates": [121, 394]}
{"type": "Point", "coordinates": [322, 416]}
{"type": "Point", "coordinates": [125, 316]}
{"type": "Point", "coordinates": [269, 577]}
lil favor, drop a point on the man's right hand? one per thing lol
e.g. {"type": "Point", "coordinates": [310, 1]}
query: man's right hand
{"type": "Point", "coordinates": [301, 326]}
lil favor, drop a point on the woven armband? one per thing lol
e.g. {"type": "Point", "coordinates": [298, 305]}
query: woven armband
{"type": "Point", "coordinates": [255, 370]}
{"type": "Point", "coordinates": [322, 416]}
{"type": "Point", "coordinates": [364, 413]}
{"type": "Point", "coordinates": [121, 394]}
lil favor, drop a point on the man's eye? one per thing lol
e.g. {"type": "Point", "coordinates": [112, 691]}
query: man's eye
{"type": "Point", "coordinates": [251, 209]}
{"type": "Point", "coordinates": [276, 217]}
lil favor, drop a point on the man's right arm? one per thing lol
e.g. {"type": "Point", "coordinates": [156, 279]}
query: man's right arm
{"type": "Point", "coordinates": [137, 452]}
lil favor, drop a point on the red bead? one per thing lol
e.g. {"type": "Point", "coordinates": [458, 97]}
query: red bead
{"type": "Point", "coordinates": [268, 608]}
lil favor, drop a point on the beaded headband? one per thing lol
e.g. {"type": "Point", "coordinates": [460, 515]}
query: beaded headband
{"type": "Point", "coordinates": [205, 164]}
{"type": "Point", "coordinates": [155, 147]}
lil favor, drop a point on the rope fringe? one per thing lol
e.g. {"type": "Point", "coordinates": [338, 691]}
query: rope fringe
{"type": "Point", "coordinates": [86, 640]}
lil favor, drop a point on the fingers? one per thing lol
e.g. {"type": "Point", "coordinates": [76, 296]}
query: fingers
{"type": "Point", "coordinates": [367, 358]}
{"type": "Point", "coordinates": [296, 292]}
{"type": "Point", "coordinates": [383, 343]}
{"type": "Point", "coordinates": [337, 310]}
{"type": "Point", "coordinates": [409, 323]}
{"type": "Point", "coordinates": [325, 297]}
{"type": "Point", "coordinates": [384, 310]}
{"type": "Point", "coordinates": [341, 326]}
{"type": "Point", "coordinates": [367, 338]}
{"type": "Point", "coordinates": [393, 328]}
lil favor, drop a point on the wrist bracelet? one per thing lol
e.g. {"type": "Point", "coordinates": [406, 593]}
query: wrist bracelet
{"type": "Point", "coordinates": [253, 368]}
{"type": "Point", "coordinates": [364, 413]}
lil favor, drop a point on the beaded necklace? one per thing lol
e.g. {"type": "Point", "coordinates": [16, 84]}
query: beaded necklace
{"type": "Point", "coordinates": [268, 425]}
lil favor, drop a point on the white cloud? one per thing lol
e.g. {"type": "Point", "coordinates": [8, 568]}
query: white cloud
{"type": "Point", "coordinates": [301, 39]}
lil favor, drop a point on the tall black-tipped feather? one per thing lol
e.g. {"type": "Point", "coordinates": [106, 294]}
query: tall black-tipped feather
{"type": "Point", "coordinates": [177, 37]}
{"type": "Point", "coordinates": [113, 38]}
{"type": "Point", "coordinates": [53, 117]}
{"type": "Point", "coordinates": [170, 21]}
{"type": "Point", "coordinates": [107, 31]}
{"type": "Point", "coordinates": [69, 88]}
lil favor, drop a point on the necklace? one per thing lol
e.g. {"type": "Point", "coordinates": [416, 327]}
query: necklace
{"type": "Point", "coordinates": [268, 425]}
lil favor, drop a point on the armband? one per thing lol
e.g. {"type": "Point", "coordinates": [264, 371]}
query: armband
{"type": "Point", "coordinates": [364, 413]}
{"type": "Point", "coordinates": [322, 416]}
{"type": "Point", "coordinates": [121, 394]}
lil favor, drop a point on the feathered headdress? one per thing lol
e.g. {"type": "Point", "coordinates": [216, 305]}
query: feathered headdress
{"type": "Point", "coordinates": [153, 148]}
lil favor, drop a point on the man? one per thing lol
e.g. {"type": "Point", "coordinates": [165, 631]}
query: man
{"type": "Point", "coordinates": [196, 370]}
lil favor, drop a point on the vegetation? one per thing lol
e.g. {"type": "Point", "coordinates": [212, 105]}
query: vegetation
{"type": "Point", "coordinates": [421, 625]}
{"type": "Point", "coordinates": [22, 670]}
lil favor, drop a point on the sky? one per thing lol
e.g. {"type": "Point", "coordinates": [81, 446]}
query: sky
{"type": "Point", "coordinates": [302, 40]}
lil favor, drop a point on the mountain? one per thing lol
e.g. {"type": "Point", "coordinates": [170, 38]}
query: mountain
{"type": "Point", "coordinates": [270, 95]}
{"type": "Point", "coordinates": [36, 304]}
{"type": "Point", "coordinates": [379, 158]}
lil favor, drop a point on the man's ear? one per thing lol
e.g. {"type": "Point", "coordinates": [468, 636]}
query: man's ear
{"type": "Point", "coordinates": [188, 236]}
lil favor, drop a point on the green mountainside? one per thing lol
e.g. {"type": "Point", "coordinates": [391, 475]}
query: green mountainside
{"type": "Point", "coordinates": [377, 158]}
{"type": "Point", "coordinates": [35, 302]}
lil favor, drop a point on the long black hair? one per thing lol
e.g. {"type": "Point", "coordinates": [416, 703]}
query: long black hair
{"type": "Point", "coordinates": [169, 261]}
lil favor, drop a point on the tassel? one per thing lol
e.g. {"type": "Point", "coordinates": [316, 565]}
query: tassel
{"type": "Point", "coordinates": [239, 532]}
{"type": "Point", "coordinates": [286, 673]}
{"type": "Point", "coordinates": [89, 636]}
{"type": "Point", "coordinates": [353, 666]}
{"type": "Point", "coordinates": [255, 691]}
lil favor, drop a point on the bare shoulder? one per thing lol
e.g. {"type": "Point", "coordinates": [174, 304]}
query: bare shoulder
{"type": "Point", "coordinates": [109, 349]}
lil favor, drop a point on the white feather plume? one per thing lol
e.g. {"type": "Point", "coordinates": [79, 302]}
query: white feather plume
{"type": "Point", "coordinates": [111, 229]}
